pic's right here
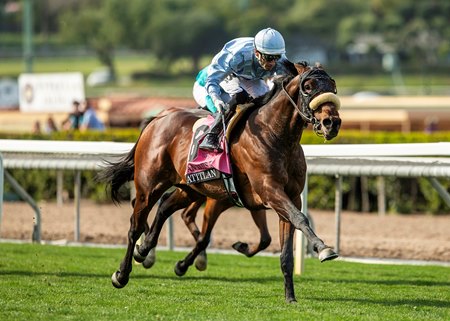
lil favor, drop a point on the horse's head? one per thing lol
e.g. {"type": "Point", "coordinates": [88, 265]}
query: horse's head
{"type": "Point", "coordinates": [318, 100]}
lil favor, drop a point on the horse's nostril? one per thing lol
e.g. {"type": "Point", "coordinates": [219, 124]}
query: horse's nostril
{"type": "Point", "coordinates": [327, 122]}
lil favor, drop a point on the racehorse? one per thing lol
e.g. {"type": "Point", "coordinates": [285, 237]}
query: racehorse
{"type": "Point", "coordinates": [269, 168]}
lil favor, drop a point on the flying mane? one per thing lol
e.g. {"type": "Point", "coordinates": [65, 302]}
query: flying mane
{"type": "Point", "coordinates": [291, 72]}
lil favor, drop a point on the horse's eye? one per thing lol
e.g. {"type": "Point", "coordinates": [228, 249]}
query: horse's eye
{"type": "Point", "coordinates": [308, 87]}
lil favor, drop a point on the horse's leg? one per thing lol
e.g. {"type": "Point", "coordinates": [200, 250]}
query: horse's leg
{"type": "Point", "coordinates": [151, 256]}
{"type": "Point", "coordinates": [287, 258]}
{"type": "Point", "coordinates": [150, 259]}
{"type": "Point", "coordinates": [213, 209]}
{"type": "Point", "coordinates": [259, 217]}
{"type": "Point", "coordinates": [283, 205]}
{"type": "Point", "coordinates": [188, 215]}
{"type": "Point", "coordinates": [176, 201]}
{"type": "Point", "coordinates": [142, 205]}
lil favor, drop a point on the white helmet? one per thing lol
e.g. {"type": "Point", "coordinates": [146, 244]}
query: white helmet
{"type": "Point", "coordinates": [269, 41]}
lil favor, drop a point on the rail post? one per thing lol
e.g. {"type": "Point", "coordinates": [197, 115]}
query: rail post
{"type": "Point", "coordinates": [300, 239]}
{"type": "Point", "coordinates": [77, 196]}
{"type": "Point", "coordinates": [338, 209]}
{"type": "Point", "coordinates": [36, 236]}
{"type": "Point", "coordinates": [1, 191]}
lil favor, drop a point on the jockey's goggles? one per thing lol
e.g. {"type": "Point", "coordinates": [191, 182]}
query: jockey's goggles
{"type": "Point", "coordinates": [269, 58]}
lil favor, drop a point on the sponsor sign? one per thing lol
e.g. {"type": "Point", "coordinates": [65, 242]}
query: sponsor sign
{"type": "Point", "coordinates": [53, 92]}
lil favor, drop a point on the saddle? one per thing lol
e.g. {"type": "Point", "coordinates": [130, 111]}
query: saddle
{"type": "Point", "coordinates": [203, 166]}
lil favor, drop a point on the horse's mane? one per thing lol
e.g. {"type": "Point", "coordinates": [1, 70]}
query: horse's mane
{"type": "Point", "coordinates": [291, 72]}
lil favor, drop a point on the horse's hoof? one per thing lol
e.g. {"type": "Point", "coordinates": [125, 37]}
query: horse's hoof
{"type": "Point", "coordinates": [179, 270]}
{"type": "Point", "coordinates": [241, 247]}
{"type": "Point", "coordinates": [201, 262]}
{"type": "Point", "coordinates": [115, 281]}
{"type": "Point", "coordinates": [150, 259]}
{"type": "Point", "coordinates": [291, 300]}
{"type": "Point", "coordinates": [327, 254]}
{"type": "Point", "coordinates": [137, 256]}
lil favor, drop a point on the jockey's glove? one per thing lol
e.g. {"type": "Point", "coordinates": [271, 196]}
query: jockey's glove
{"type": "Point", "coordinates": [218, 102]}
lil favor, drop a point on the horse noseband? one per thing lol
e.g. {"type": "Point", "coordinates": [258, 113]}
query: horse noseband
{"type": "Point", "coordinates": [324, 82]}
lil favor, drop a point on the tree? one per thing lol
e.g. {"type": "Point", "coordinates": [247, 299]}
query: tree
{"type": "Point", "coordinates": [180, 29]}
{"type": "Point", "coordinates": [415, 30]}
{"type": "Point", "coordinates": [94, 27]}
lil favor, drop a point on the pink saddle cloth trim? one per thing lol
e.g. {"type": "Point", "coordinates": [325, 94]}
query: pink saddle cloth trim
{"type": "Point", "coordinates": [205, 159]}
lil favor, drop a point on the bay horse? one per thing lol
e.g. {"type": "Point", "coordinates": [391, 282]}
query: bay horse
{"type": "Point", "coordinates": [269, 168]}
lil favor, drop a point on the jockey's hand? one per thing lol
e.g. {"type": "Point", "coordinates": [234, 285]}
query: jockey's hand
{"type": "Point", "coordinates": [219, 104]}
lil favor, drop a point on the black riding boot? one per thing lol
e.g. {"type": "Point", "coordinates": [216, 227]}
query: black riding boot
{"type": "Point", "coordinates": [211, 141]}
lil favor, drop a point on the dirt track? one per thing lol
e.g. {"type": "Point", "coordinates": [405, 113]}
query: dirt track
{"type": "Point", "coordinates": [418, 237]}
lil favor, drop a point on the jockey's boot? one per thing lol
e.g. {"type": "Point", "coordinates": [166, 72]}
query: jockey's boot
{"type": "Point", "coordinates": [211, 142]}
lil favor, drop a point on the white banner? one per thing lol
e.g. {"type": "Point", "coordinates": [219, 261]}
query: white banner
{"type": "Point", "coordinates": [53, 92]}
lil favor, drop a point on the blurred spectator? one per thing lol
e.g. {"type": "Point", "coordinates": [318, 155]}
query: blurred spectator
{"type": "Point", "coordinates": [431, 124]}
{"type": "Point", "coordinates": [50, 125]}
{"type": "Point", "coordinates": [90, 119]}
{"type": "Point", "coordinates": [37, 127]}
{"type": "Point", "coordinates": [73, 120]}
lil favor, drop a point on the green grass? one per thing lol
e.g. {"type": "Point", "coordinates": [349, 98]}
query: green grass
{"type": "Point", "coordinates": [42, 282]}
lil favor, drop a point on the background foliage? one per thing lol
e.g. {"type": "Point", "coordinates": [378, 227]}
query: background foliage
{"type": "Point", "coordinates": [351, 32]}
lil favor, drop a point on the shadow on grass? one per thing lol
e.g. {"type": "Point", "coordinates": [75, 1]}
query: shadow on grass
{"type": "Point", "coordinates": [199, 278]}
{"type": "Point", "coordinates": [388, 302]}
{"type": "Point", "coordinates": [407, 282]}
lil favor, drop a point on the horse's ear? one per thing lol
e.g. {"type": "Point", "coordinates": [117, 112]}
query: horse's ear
{"type": "Point", "coordinates": [318, 65]}
{"type": "Point", "coordinates": [290, 67]}
{"type": "Point", "coordinates": [300, 66]}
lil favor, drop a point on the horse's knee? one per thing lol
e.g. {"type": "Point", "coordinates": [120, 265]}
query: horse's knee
{"type": "Point", "coordinates": [299, 221]}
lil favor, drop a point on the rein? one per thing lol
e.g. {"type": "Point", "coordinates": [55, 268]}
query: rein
{"type": "Point", "coordinates": [305, 117]}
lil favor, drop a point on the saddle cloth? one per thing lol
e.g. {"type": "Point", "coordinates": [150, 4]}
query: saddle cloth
{"type": "Point", "coordinates": [203, 165]}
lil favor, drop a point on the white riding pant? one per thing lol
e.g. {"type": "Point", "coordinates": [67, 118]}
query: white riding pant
{"type": "Point", "coordinates": [230, 87]}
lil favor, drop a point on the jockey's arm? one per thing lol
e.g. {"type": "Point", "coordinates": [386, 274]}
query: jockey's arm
{"type": "Point", "coordinates": [220, 68]}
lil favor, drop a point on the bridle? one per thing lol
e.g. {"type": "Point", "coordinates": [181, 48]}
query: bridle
{"type": "Point", "coordinates": [325, 84]}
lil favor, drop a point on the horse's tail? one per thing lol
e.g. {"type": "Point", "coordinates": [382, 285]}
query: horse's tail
{"type": "Point", "coordinates": [116, 174]}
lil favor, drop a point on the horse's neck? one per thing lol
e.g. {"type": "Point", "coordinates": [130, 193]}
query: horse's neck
{"type": "Point", "coordinates": [280, 117]}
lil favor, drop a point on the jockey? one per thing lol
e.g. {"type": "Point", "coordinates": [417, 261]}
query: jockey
{"type": "Point", "coordinates": [240, 71]}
